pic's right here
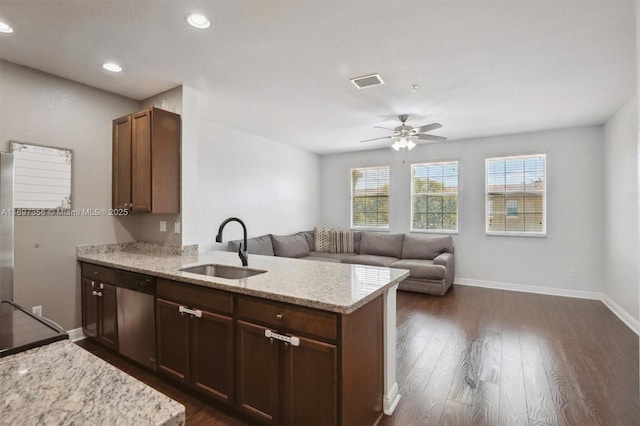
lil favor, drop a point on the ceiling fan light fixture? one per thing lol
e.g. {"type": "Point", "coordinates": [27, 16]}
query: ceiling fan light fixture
{"type": "Point", "coordinates": [396, 146]}
{"type": "Point", "coordinates": [411, 144]}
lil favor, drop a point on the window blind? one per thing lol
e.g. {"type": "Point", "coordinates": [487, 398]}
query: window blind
{"type": "Point", "coordinates": [516, 194]}
{"type": "Point", "coordinates": [370, 197]}
{"type": "Point", "coordinates": [434, 196]}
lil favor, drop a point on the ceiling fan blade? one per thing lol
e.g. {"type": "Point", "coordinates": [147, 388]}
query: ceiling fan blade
{"type": "Point", "coordinates": [433, 138]}
{"type": "Point", "coordinates": [427, 127]}
{"type": "Point", "coordinates": [380, 127]}
{"type": "Point", "coordinates": [375, 139]}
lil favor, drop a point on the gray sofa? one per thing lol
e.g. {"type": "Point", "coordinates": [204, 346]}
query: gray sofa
{"type": "Point", "coordinates": [430, 259]}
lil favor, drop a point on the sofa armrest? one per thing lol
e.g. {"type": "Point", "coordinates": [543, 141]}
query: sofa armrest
{"type": "Point", "coordinates": [448, 261]}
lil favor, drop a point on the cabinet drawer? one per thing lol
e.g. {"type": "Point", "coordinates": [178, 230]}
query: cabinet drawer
{"type": "Point", "coordinates": [288, 317]}
{"type": "Point", "coordinates": [98, 273]}
{"type": "Point", "coordinates": [195, 296]}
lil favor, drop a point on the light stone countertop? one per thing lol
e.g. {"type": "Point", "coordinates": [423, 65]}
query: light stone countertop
{"type": "Point", "coordinates": [328, 286]}
{"type": "Point", "coordinates": [63, 384]}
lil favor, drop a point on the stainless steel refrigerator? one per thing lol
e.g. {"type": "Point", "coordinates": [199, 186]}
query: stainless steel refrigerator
{"type": "Point", "coordinates": [6, 226]}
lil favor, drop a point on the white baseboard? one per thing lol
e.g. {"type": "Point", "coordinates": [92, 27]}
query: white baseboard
{"type": "Point", "coordinates": [631, 322]}
{"type": "Point", "coordinates": [76, 334]}
{"type": "Point", "coordinates": [624, 316]}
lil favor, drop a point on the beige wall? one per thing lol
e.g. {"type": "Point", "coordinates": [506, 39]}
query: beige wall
{"type": "Point", "coordinates": [43, 109]}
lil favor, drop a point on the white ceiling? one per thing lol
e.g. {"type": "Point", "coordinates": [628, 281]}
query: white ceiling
{"type": "Point", "coordinates": [281, 68]}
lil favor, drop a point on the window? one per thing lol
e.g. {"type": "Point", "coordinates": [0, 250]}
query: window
{"type": "Point", "coordinates": [516, 197]}
{"type": "Point", "coordinates": [434, 197]}
{"type": "Point", "coordinates": [370, 197]}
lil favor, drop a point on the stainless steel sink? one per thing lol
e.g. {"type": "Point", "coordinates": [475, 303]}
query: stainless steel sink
{"type": "Point", "coordinates": [223, 271]}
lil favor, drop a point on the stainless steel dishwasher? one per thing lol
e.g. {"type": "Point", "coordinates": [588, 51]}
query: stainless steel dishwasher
{"type": "Point", "coordinates": [136, 317]}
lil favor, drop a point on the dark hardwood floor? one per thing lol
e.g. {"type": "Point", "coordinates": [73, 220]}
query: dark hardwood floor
{"type": "Point", "coordinates": [490, 357]}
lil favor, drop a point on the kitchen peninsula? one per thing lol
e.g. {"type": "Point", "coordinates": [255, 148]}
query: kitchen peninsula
{"type": "Point", "coordinates": [300, 341]}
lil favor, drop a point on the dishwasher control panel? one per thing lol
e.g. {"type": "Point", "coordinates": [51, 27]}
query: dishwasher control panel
{"type": "Point", "coordinates": [136, 282]}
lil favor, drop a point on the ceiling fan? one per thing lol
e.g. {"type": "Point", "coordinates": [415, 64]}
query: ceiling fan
{"type": "Point", "coordinates": [405, 136]}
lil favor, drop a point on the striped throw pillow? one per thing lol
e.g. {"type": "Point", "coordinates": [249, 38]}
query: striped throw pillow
{"type": "Point", "coordinates": [341, 241]}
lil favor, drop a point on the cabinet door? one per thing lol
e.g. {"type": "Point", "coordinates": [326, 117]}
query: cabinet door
{"type": "Point", "coordinates": [141, 161]}
{"type": "Point", "coordinates": [212, 355]}
{"type": "Point", "coordinates": [165, 162]}
{"type": "Point", "coordinates": [172, 329]}
{"type": "Point", "coordinates": [89, 308]}
{"type": "Point", "coordinates": [310, 394]}
{"type": "Point", "coordinates": [121, 178]}
{"type": "Point", "coordinates": [108, 317]}
{"type": "Point", "coordinates": [257, 375]}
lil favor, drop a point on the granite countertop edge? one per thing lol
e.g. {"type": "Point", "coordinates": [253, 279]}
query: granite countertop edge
{"type": "Point", "coordinates": [101, 259]}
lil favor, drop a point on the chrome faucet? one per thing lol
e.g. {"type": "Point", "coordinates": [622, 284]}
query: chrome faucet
{"type": "Point", "coordinates": [242, 249]}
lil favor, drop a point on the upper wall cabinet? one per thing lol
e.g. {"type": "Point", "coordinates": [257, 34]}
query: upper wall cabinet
{"type": "Point", "coordinates": [146, 162]}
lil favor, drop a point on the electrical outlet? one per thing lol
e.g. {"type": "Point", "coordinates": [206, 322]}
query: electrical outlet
{"type": "Point", "coordinates": [37, 310]}
{"type": "Point", "coordinates": [176, 227]}
{"type": "Point", "coordinates": [573, 273]}
{"type": "Point", "coordinates": [163, 226]}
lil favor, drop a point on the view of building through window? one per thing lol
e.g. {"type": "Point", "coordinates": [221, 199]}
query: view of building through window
{"type": "Point", "coordinates": [434, 196]}
{"type": "Point", "coordinates": [370, 197]}
{"type": "Point", "coordinates": [515, 188]}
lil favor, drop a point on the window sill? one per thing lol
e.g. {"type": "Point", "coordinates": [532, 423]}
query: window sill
{"type": "Point", "coordinates": [516, 234]}
{"type": "Point", "coordinates": [433, 231]}
{"type": "Point", "coordinates": [370, 229]}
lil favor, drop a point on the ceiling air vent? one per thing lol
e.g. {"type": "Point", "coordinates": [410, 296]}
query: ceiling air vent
{"type": "Point", "coordinates": [367, 81]}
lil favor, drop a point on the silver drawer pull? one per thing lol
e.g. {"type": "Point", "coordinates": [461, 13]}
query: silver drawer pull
{"type": "Point", "coordinates": [194, 312]}
{"type": "Point", "coordinates": [271, 335]}
{"type": "Point", "coordinates": [97, 293]}
{"type": "Point", "coordinates": [279, 316]}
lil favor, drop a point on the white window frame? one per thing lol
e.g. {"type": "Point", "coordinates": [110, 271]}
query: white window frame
{"type": "Point", "coordinates": [456, 194]}
{"type": "Point", "coordinates": [534, 234]}
{"type": "Point", "coordinates": [370, 228]}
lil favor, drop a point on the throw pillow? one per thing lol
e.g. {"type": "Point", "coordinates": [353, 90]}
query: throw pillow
{"type": "Point", "coordinates": [321, 239]}
{"type": "Point", "coordinates": [341, 241]}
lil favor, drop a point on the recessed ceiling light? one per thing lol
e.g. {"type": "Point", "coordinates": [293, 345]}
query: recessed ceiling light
{"type": "Point", "coordinates": [110, 66]}
{"type": "Point", "coordinates": [198, 21]}
{"type": "Point", "coordinates": [5, 28]}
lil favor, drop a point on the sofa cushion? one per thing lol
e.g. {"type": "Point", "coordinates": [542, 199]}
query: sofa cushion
{"type": "Point", "coordinates": [290, 245]}
{"type": "Point", "coordinates": [357, 237]}
{"type": "Point", "coordinates": [389, 245]}
{"type": "Point", "coordinates": [321, 259]}
{"type": "Point", "coordinates": [340, 241]}
{"type": "Point", "coordinates": [336, 256]}
{"type": "Point", "coordinates": [258, 245]}
{"type": "Point", "coordinates": [308, 235]}
{"type": "Point", "coordinates": [423, 247]}
{"type": "Point", "coordinates": [370, 260]}
{"type": "Point", "coordinates": [424, 269]}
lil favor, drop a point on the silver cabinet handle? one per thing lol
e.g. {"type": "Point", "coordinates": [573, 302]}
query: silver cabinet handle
{"type": "Point", "coordinates": [97, 293]}
{"type": "Point", "coordinates": [101, 286]}
{"type": "Point", "coordinates": [194, 312]}
{"type": "Point", "coordinates": [294, 341]}
{"type": "Point", "coordinates": [93, 284]}
{"type": "Point", "coordinates": [279, 316]}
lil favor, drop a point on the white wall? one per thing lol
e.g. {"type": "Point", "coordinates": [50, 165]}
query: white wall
{"type": "Point", "coordinates": [621, 209]}
{"type": "Point", "coordinates": [272, 187]}
{"type": "Point", "coordinates": [43, 109]}
{"type": "Point", "coordinates": [574, 214]}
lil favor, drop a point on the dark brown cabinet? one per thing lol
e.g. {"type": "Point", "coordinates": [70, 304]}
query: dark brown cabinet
{"type": "Point", "coordinates": [258, 364]}
{"type": "Point", "coordinates": [99, 312]}
{"type": "Point", "coordinates": [195, 338]}
{"type": "Point", "coordinates": [286, 382]}
{"type": "Point", "coordinates": [146, 162]}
